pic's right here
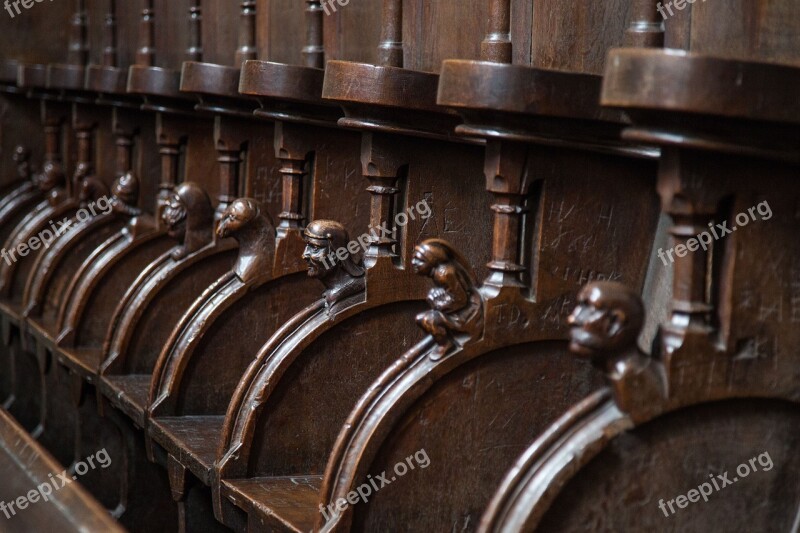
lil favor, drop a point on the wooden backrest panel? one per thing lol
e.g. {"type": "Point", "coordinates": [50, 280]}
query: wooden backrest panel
{"type": "Point", "coordinates": [575, 36]}
{"type": "Point", "coordinates": [675, 454]}
{"type": "Point", "coordinates": [172, 32]}
{"type": "Point", "coordinates": [757, 30]}
{"type": "Point", "coordinates": [220, 30]}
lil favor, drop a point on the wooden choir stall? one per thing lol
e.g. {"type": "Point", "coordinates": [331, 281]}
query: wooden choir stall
{"type": "Point", "coordinates": [401, 265]}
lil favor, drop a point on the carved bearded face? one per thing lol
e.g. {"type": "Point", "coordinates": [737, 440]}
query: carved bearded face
{"type": "Point", "coordinates": [174, 216]}
{"type": "Point", "coordinates": [315, 255]}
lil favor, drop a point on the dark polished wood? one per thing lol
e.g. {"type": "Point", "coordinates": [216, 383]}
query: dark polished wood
{"type": "Point", "coordinates": [399, 265]}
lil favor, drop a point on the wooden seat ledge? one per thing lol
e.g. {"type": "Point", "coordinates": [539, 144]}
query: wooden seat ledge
{"type": "Point", "coordinates": [280, 81]}
{"type": "Point", "coordinates": [128, 393]}
{"type": "Point", "coordinates": [108, 80]}
{"type": "Point", "coordinates": [532, 105]}
{"type": "Point", "coordinates": [191, 440]}
{"type": "Point", "coordinates": [32, 76]}
{"type": "Point", "coordinates": [84, 361]}
{"type": "Point", "coordinates": [671, 80]}
{"type": "Point", "coordinates": [216, 87]}
{"type": "Point", "coordinates": [388, 99]}
{"type": "Point", "coordinates": [9, 77]}
{"type": "Point", "coordinates": [66, 77]}
{"type": "Point", "coordinates": [486, 86]}
{"type": "Point", "coordinates": [161, 89]}
{"type": "Point", "coordinates": [287, 503]}
{"type": "Point", "coordinates": [349, 82]}
{"type": "Point", "coordinates": [290, 93]}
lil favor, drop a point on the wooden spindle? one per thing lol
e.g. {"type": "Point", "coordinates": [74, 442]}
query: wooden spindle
{"type": "Point", "coordinates": [390, 50]}
{"type": "Point", "coordinates": [110, 36]}
{"type": "Point", "coordinates": [647, 25]}
{"type": "Point", "coordinates": [79, 35]}
{"type": "Point", "coordinates": [314, 52]}
{"type": "Point", "coordinates": [195, 50]}
{"type": "Point", "coordinates": [146, 53]}
{"type": "Point", "coordinates": [496, 47]}
{"type": "Point", "coordinates": [247, 33]}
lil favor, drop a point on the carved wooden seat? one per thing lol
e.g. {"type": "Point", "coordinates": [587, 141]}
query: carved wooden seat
{"type": "Point", "coordinates": [716, 348]}
{"type": "Point", "coordinates": [331, 334]}
{"type": "Point", "coordinates": [472, 396]}
{"type": "Point", "coordinates": [269, 284]}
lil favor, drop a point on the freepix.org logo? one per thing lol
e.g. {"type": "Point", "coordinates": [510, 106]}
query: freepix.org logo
{"type": "Point", "coordinates": [54, 483]}
{"type": "Point", "coordinates": [12, 6]}
{"type": "Point", "coordinates": [48, 235]}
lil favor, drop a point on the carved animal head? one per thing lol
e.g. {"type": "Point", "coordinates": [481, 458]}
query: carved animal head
{"type": "Point", "coordinates": [323, 238]}
{"type": "Point", "coordinates": [240, 214]}
{"type": "Point", "coordinates": [606, 320]}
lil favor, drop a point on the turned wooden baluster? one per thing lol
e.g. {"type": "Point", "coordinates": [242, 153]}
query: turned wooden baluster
{"type": "Point", "coordinates": [390, 50]}
{"type": "Point", "coordinates": [230, 159]}
{"type": "Point", "coordinates": [314, 52]}
{"type": "Point", "coordinates": [124, 146]}
{"type": "Point", "coordinates": [496, 47]}
{"type": "Point", "coordinates": [146, 53]}
{"type": "Point", "coordinates": [169, 148]}
{"type": "Point", "coordinates": [647, 26]}
{"type": "Point", "coordinates": [505, 268]}
{"type": "Point", "coordinates": [110, 36]}
{"type": "Point", "coordinates": [79, 55]}
{"type": "Point", "coordinates": [293, 173]}
{"type": "Point", "coordinates": [691, 308]}
{"type": "Point", "coordinates": [123, 137]}
{"type": "Point", "coordinates": [247, 33]}
{"type": "Point", "coordinates": [195, 50]}
{"type": "Point", "coordinates": [79, 35]}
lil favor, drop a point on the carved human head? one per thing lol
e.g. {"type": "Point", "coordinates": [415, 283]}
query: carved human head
{"type": "Point", "coordinates": [607, 319]}
{"type": "Point", "coordinates": [188, 210]}
{"type": "Point", "coordinates": [325, 237]}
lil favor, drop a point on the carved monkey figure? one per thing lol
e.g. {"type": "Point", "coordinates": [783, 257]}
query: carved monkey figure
{"type": "Point", "coordinates": [456, 304]}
